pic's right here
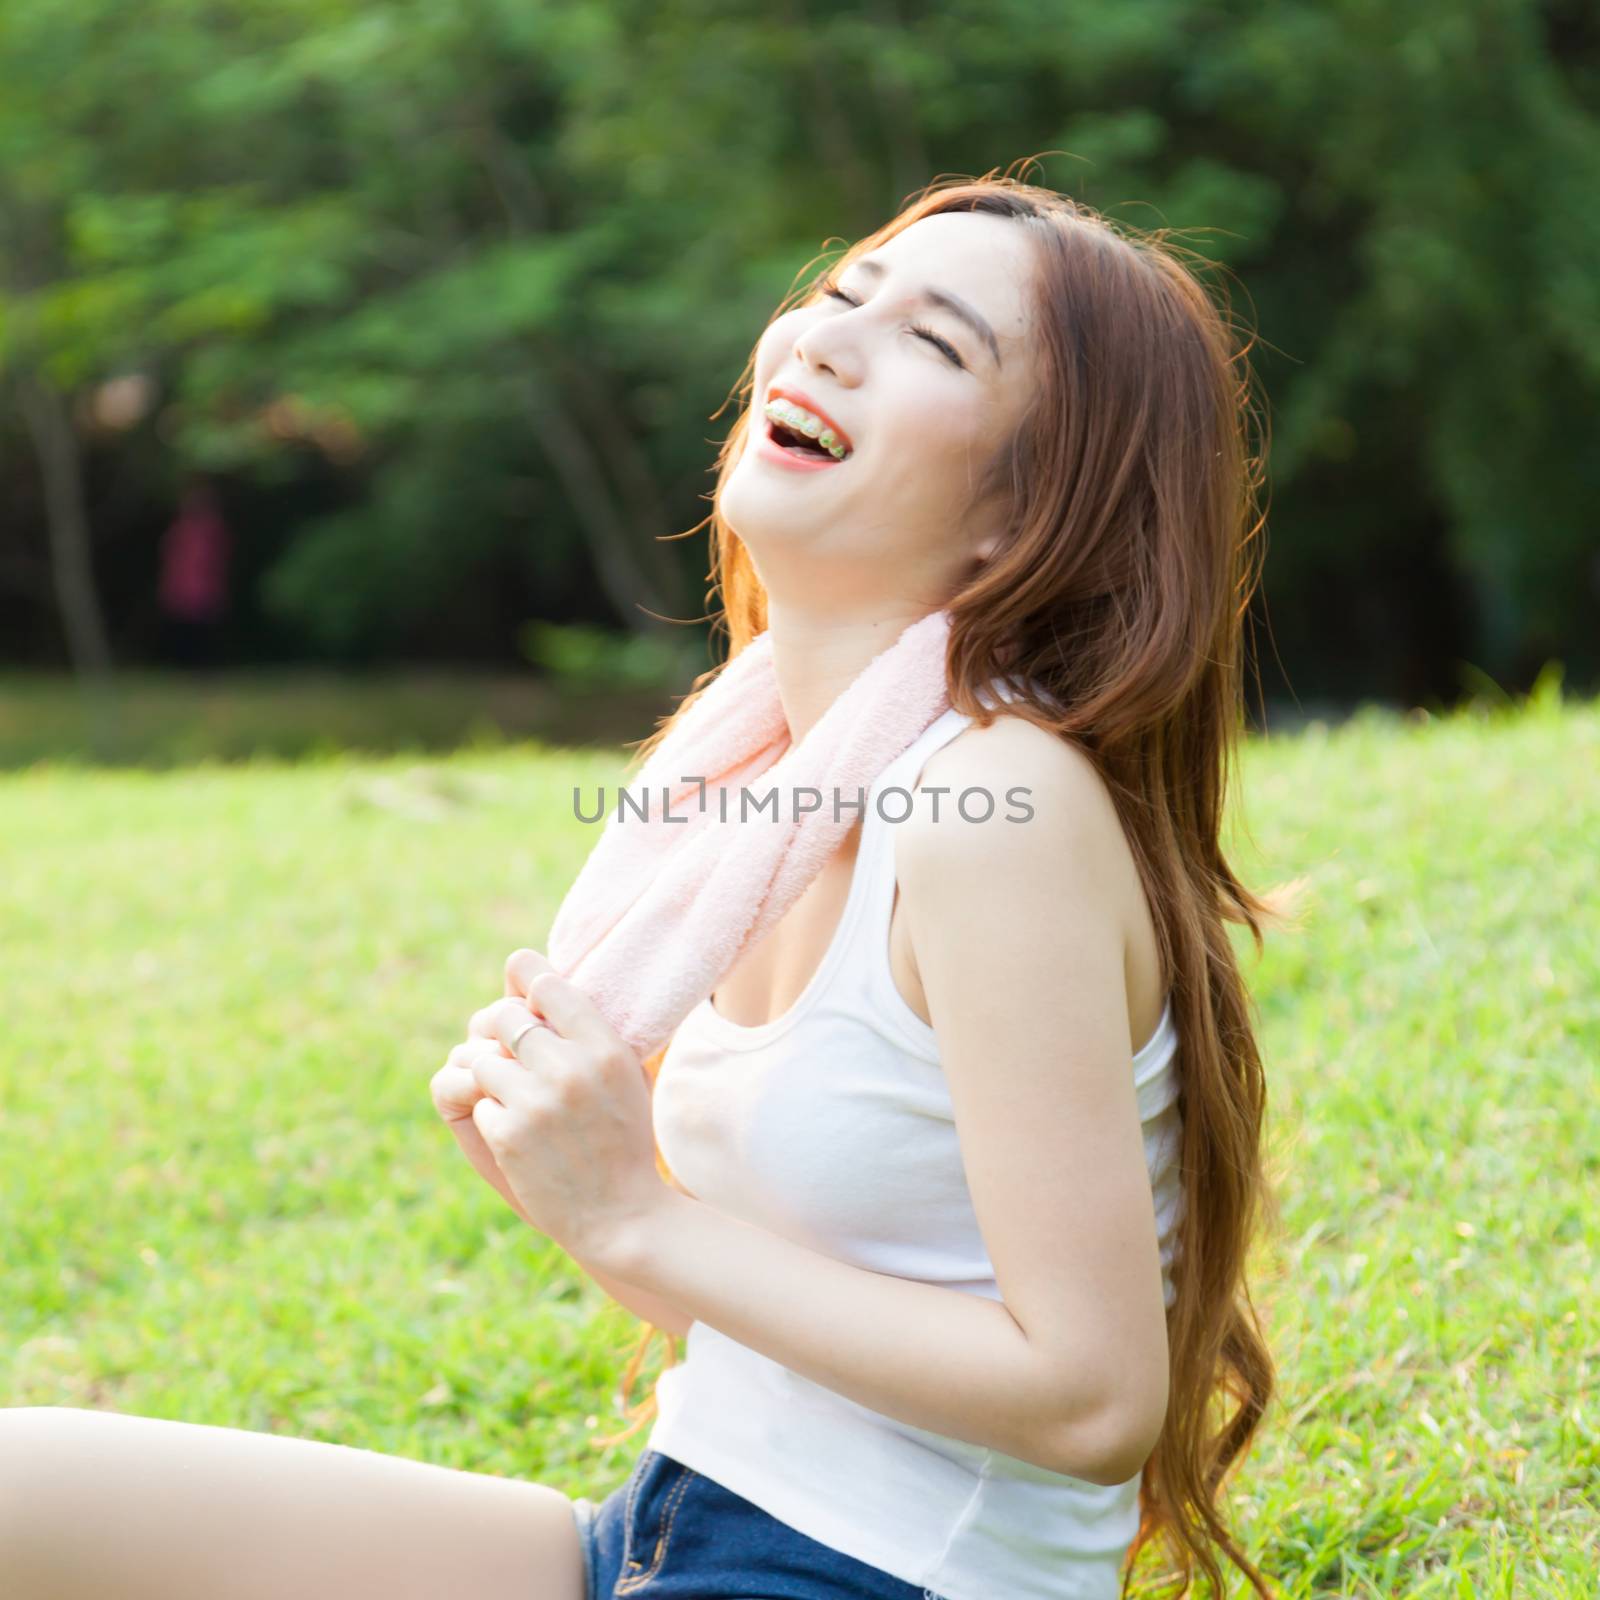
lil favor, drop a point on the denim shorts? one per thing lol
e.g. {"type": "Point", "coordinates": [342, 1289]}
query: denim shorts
{"type": "Point", "coordinates": [670, 1533]}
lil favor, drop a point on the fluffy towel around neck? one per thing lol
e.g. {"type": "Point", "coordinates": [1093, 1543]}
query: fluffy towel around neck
{"type": "Point", "coordinates": [667, 901]}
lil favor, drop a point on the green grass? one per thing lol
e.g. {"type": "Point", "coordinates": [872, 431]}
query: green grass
{"type": "Point", "coordinates": [168, 719]}
{"type": "Point", "coordinates": [227, 1199]}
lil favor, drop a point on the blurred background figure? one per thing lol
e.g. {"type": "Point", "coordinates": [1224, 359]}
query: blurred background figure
{"type": "Point", "coordinates": [195, 551]}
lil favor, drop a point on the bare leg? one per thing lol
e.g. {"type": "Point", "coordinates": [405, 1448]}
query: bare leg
{"type": "Point", "coordinates": [98, 1503]}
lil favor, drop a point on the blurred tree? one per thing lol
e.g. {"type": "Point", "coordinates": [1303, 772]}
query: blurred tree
{"type": "Point", "coordinates": [486, 258]}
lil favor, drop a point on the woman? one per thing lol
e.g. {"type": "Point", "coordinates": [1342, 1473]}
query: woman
{"type": "Point", "coordinates": [961, 1289]}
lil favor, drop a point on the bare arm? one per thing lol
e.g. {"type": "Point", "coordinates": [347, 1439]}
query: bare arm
{"type": "Point", "coordinates": [642, 1303]}
{"type": "Point", "coordinates": [953, 1363]}
{"type": "Point", "coordinates": [1026, 991]}
{"type": "Point", "coordinates": [646, 1306]}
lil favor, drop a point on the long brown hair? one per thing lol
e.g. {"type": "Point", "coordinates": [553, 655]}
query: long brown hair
{"type": "Point", "coordinates": [1121, 592]}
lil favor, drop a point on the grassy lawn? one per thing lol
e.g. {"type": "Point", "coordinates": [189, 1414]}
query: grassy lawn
{"type": "Point", "coordinates": [169, 719]}
{"type": "Point", "coordinates": [227, 1198]}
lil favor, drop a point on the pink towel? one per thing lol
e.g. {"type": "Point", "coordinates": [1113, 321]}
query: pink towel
{"type": "Point", "coordinates": [667, 901]}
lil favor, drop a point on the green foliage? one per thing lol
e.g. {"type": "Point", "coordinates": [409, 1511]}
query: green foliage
{"type": "Point", "coordinates": [591, 657]}
{"type": "Point", "coordinates": [429, 220]}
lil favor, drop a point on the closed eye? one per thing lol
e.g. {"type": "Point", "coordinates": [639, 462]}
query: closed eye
{"type": "Point", "coordinates": [831, 289]}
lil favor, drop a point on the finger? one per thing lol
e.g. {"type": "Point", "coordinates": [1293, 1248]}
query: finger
{"type": "Point", "coordinates": [480, 1025]}
{"type": "Point", "coordinates": [570, 1011]}
{"type": "Point", "coordinates": [500, 1078]}
{"type": "Point", "coordinates": [511, 1019]}
{"type": "Point", "coordinates": [490, 1119]}
{"type": "Point", "coordinates": [455, 1091]}
{"type": "Point", "coordinates": [485, 1023]}
{"type": "Point", "coordinates": [521, 967]}
{"type": "Point", "coordinates": [462, 1055]}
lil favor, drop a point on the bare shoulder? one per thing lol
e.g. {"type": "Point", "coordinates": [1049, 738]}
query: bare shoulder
{"type": "Point", "coordinates": [1049, 872]}
{"type": "Point", "coordinates": [1045, 799]}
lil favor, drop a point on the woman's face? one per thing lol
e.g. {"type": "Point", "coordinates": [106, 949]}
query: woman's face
{"type": "Point", "coordinates": [894, 523]}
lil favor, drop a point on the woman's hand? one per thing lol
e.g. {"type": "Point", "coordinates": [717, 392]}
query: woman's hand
{"type": "Point", "coordinates": [563, 1131]}
{"type": "Point", "coordinates": [455, 1092]}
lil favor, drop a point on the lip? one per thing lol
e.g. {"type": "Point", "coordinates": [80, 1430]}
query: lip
{"type": "Point", "coordinates": [801, 398]}
{"type": "Point", "coordinates": [768, 449]}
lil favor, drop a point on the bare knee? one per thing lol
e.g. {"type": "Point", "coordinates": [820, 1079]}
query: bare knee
{"type": "Point", "coordinates": [36, 1421]}
{"type": "Point", "coordinates": [95, 1503]}
{"type": "Point", "coordinates": [31, 1433]}
{"type": "Point", "coordinates": [35, 1471]}
{"type": "Point", "coordinates": [31, 1437]}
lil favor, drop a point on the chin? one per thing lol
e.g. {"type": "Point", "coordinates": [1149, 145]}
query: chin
{"type": "Point", "coordinates": [765, 515]}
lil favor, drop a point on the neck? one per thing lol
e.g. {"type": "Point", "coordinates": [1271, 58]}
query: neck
{"type": "Point", "coordinates": [816, 656]}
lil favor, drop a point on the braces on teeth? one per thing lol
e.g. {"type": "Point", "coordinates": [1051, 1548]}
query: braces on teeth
{"type": "Point", "coordinates": [798, 421]}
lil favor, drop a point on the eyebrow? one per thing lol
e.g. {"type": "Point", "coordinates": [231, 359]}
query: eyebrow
{"type": "Point", "coordinates": [950, 302]}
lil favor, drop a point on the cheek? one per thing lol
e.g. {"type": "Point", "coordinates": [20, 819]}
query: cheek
{"type": "Point", "coordinates": [776, 344]}
{"type": "Point", "coordinates": [937, 443]}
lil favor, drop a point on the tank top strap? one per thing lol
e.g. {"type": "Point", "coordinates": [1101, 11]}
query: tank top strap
{"type": "Point", "coordinates": [862, 982]}
{"type": "Point", "coordinates": [906, 767]}
{"type": "Point", "coordinates": [886, 811]}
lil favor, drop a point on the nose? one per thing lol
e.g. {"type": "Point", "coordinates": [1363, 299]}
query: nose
{"type": "Point", "coordinates": [828, 347]}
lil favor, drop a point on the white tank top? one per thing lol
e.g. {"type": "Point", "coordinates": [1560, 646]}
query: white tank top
{"type": "Point", "coordinates": [832, 1125]}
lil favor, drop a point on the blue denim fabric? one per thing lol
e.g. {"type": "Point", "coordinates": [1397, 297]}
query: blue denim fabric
{"type": "Point", "coordinates": [670, 1533]}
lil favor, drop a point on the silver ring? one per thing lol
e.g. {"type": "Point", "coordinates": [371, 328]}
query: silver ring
{"type": "Point", "coordinates": [526, 1028]}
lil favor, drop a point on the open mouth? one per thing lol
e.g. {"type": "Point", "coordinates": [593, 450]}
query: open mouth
{"type": "Point", "coordinates": [797, 444]}
{"type": "Point", "coordinates": [798, 427]}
